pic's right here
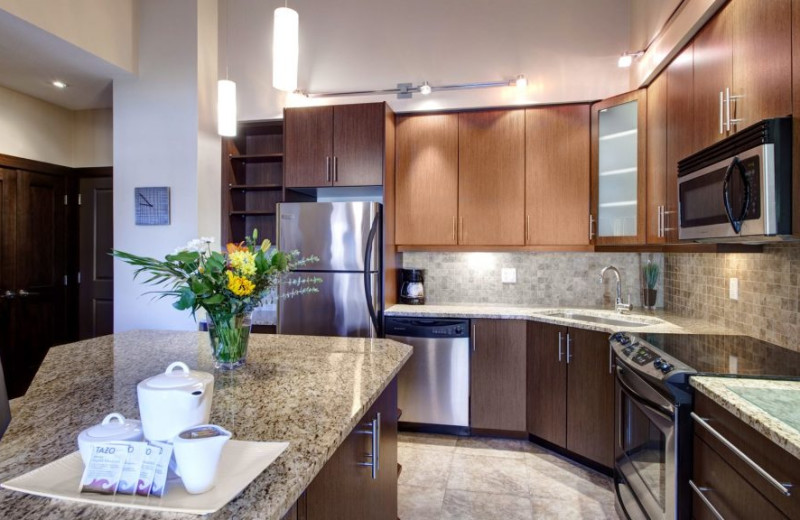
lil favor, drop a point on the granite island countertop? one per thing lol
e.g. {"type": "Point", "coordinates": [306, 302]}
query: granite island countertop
{"type": "Point", "coordinates": [771, 407]}
{"type": "Point", "coordinates": [658, 321]}
{"type": "Point", "coordinates": [309, 391]}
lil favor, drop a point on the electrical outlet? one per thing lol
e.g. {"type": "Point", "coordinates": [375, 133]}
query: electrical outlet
{"type": "Point", "coordinates": [733, 289]}
{"type": "Point", "coordinates": [508, 275]}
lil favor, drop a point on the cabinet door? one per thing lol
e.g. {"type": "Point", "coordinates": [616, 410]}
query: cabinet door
{"type": "Point", "coordinates": [590, 397]}
{"type": "Point", "coordinates": [308, 147]}
{"type": "Point", "coordinates": [358, 144]}
{"type": "Point", "coordinates": [762, 60]}
{"type": "Point", "coordinates": [656, 158]}
{"type": "Point", "coordinates": [497, 380]}
{"type": "Point", "coordinates": [8, 215]}
{"type": "Point", "coordinates": [796, 112]}
{"type": "Point", "coordinates": [713, 73]}
{"type": "Point", "coordinates": [619, 130]}
{"type": "Point", "coordinates": [557, 175]}
{"type": "Point", "coordinates": [547, 382]}
{"type": "Point", "coordinates": [680, 130]}
{"type": "Point", "coordinates": [491, 187]}
{"type": "Point", "coordinates": [427, 179]}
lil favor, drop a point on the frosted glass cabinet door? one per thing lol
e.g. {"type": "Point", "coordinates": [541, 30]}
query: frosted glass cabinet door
{"type": "Point", "coordinates": [618, 170]}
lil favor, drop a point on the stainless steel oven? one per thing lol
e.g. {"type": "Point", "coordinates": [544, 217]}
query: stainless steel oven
{"type": "Point", "coordinates": [739, 189]}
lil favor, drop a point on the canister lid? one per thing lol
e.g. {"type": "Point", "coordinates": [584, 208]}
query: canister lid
{"type": "Point", "coordinates": [172, 379]}
{"type": "Point", "coordinates": [114, 426]}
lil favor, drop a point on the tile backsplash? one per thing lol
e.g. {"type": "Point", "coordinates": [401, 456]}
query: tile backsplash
{"type": "Point", "coordinates": [543, 279]}
{"type": "Point", "coordinates": [697, 285]}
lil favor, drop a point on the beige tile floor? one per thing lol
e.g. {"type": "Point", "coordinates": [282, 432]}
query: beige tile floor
{"type": "Point", "coordinates": [477, 478]}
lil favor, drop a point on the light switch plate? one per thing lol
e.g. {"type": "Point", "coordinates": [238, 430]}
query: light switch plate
{"type": "Point", "coordinates": [733, 289]}
{"type": "Point", "coordinates": [508, 275]}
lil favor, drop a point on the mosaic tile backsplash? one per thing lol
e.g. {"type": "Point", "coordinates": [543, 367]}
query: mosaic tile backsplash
{"type": "Point", "coordinates": [697, 285]}
{"type": "Point", "coordinates": [543, 279]}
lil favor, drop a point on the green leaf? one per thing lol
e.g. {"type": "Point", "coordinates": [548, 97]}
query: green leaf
{"type": "Point", "coordinates": [186, 300]}
{"type": "Point", "coordinates": [214, 300]}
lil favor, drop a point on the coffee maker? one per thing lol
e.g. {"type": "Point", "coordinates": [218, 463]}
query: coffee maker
{"type": "Point", "coordinates": [412, 288]}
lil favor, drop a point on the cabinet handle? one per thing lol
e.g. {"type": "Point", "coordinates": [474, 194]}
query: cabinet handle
{"type": "Point", "coordinates": [8, 295]}
{"type": "Point", "coordinates": [474, 338]}
{"type": "Point", "coordinates": [727, 109]}
{"type": "Point", "coordinates": [591, 227]}
{"type": "Point", "coordinates": [454, 229]}
{"type": "Point", "coordinates": [728, 97]}
{"type": "Point", "coordinates": [611, 356]}
{"type": "Point", "coordinates": [699, 491]}
{"type": "Point", "coordinates": [335, 169]}
{"type": "Point", "coordinates": [327, 169]}
{"type": "Point", "coordinates": [569, 355]}
{"type": "Point", "coordinates": [375, 432]}
{"type": "Point", "coordinates": [559, 346]}
{"type": "Point", "coordinates": [721, 110]}
{"type": "Point", "coordinates": [661, 221]}
{"type": "Point", "coordinates": [527, 228]}
{"type": "Point", "coordinates": [460, 230]}
{"type": "Point", "coordinates": [783, 488]}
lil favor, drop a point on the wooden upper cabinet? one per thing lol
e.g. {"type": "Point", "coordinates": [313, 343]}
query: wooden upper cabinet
{"type": "Point", "coordinates": [358, 144]}
{"type": "Point", "coordinates": [491, 190]}
{"type": "Point", "coordinates": [557, 175]}
{"type": "Point", "coordinates": [427, 179]}
{"type": "Point", "coordinates": [713, 73]}
{"type": "Point", "coordinates": [308, 146]}
{"type": "Point", "coordinates": [680, 130]}
{"type": "Point", "coordinates": [342, 145]}
{"type": "Point", "coordinates": [656, 159]}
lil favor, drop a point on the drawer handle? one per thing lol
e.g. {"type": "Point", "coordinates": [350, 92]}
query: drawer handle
{"type": "Point", "coordinates": [782, 487]}
{"type": "Point", "coordinates": [699, 491]}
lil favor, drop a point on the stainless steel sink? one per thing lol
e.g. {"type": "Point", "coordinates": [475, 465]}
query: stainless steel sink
{"type": "Point", "coordinates": [619, 322]}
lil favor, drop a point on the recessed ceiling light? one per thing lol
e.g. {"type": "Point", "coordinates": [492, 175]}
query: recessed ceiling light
{"type": "Point", "coordinates": [59, 84]}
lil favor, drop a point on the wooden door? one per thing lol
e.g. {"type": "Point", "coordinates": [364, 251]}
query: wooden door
{"type": "Point", "coordinates": [680, 131]}
{"type": "Point", "coordinates": [427, 179]}
{"type": "Point", "coordinates": [557, 175]}
{"type": "Point", "coordinates": [383, 493]}
{"type": "Point", "coordinates": [491, 183]}
{"type": "Point", "coordinates": [713, 73]}
{"type": "Point", "coordinates": [8, 213]}
{"type": "Point", "coordinates": [796, 112]}
{"type": "Point", "coordinates": [308, 147]}
{"type": "Point", "coordinates": [96, 290]}
{"type": "Point", "coordinates": [547, 382]}
{"type": "Point", "coordinates": [358, 144]}
{"type": "Point", "coordinates": [656, 159]}
{"type": "Point", "coordinates": [590, 397]}
{"type": "Point", "coordinates": [497, 382]}
{"type": "Point", "coordinates": [40, 251]}
{"type": "Point", "coordinates": [762, 60]}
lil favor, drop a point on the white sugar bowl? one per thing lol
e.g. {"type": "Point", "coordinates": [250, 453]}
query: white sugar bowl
{"type": "Point", "coordinates": [174, 401]}
{"type": "Point", "coordinates": [115, 427]}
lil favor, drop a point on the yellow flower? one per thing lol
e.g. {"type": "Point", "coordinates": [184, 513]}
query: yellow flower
{"type": "Point", "coordinates": [243, 262]}
{"type": "Point", "coordinates": [239, 285]}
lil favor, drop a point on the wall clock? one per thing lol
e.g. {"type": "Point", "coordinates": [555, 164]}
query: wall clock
{"type": "Point", "coordinates": [152, 206]}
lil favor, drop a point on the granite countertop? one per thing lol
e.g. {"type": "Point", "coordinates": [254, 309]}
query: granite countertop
{"type": "Point", "coordinates": [309, 391]}
{"type": "Point", "coordinates": [770, 406]}
{"type": "Point", "coordinates": [657, 321]}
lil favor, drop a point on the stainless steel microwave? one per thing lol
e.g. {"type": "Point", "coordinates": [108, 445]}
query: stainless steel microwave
{"type": "Point", "coordinates": [739, 189]}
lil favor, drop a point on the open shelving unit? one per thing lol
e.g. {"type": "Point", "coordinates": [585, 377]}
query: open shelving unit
{"type": "Point", "coordinates": [252, 180]}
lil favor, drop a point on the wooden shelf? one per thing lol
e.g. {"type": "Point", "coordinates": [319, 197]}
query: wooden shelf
{"type": "Point", "coordinates": [256, 187]}
{"type": "Point", "coordinates": [252, 213]}
{"type": "Point", "coordinates": [257, 157]}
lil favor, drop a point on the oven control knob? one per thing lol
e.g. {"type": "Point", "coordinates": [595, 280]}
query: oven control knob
{"type": "Point", "coordinates": [667, 367]}
{"type": "Point", "coordinates": [657, 363]}
{"type": "Point", "coordinates": [459, 330]}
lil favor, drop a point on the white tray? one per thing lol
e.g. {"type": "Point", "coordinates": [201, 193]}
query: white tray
{"type": "Point", "coordinates": [242, 461]}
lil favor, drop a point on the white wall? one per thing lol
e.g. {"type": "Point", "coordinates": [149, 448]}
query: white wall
{"type": "Point", "coordinates": [567, 49]}
{"type": "Point", "coordinates": [157, 143]}
{"type": "Point", "coordinates": [92, 138]}
{"type": "Point", "coordinates": [102, 27]}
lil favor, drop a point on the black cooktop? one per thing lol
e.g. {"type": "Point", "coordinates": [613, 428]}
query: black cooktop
{"type": "Point", "coordinates": [728, 354]}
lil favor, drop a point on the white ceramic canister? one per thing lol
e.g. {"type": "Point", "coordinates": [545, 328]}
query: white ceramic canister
{"type": "Point", "coordinates": [174, 401]}
{"type": "Point", "coordinates": [197, 454]}
{"type": "Point", "coordinates": [115, 427]}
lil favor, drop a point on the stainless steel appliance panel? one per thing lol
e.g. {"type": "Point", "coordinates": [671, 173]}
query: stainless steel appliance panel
{"type": "Point", "coordinates": [340, 307]}
{"type": "Point", "coordinates": [336, 232]}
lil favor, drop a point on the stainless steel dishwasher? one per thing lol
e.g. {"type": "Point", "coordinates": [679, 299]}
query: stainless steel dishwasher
{"type": "Point", "coordinates": [433, 387]}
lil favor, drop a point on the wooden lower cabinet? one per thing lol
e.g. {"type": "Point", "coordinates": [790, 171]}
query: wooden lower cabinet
{"type": "Point", "coordinates": [344, 489]}
{"type": "Point", "coordinates": [570, 396]}
{"type": "Point", "coordinates": [497, 380]}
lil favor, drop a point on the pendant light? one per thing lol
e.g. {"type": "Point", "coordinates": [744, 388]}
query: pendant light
{"type": "Point", "coordinates": [226, 96]}
{"type": "Point", "coordinates": [285, 49]}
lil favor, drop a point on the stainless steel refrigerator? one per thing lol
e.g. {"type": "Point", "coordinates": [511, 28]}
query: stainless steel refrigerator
{"type": "Point", "coordinates": [346, 236]}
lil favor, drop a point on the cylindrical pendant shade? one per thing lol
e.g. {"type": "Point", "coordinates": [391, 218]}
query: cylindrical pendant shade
{"type": "Point", "coordinates": [285, 49]}
{"type": "Point", "coordinates": [226, 108]}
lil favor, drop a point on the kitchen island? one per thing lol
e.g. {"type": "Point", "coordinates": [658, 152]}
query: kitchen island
{"type": "Point", "coordinates": [309, 391]}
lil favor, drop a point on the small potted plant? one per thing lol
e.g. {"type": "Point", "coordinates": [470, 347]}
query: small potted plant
{"type": "Point", "coordinates": [650, 273]}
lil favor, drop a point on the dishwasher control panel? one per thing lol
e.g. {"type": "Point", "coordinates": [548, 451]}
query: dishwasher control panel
{"type": "Point", "coordinates": [426, 327]}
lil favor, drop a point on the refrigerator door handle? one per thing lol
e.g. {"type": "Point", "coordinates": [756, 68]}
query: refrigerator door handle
{"type": "Point", "coordinates": [368, 274]}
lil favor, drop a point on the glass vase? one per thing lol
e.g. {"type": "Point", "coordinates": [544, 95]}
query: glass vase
{"type": "Point", "coordinates": [229, 334]}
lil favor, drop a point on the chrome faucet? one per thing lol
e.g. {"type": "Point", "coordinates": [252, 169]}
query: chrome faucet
{"type": "Point", "coordinates": [620, 306]}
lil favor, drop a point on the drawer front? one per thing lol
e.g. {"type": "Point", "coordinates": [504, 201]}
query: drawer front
{"type": "Point", "coordinates": [773, 459]}
{"type": "Point", "coordinates": [726, 491]}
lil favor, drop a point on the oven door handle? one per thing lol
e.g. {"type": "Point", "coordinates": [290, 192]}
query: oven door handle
{"type": "Point", "coordinates": [648, 405]}
{"type": "Point", "coordinates": [736, 222]}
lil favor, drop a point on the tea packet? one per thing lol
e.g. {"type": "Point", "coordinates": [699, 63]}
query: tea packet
{"type": "Point", "coordinates": [161, 469]}
{"type": "Point", "coordinates": [129, 479]}
{"type": "Point", "coordinates": [103, 472]}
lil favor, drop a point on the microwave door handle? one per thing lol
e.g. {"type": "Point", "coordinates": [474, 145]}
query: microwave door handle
{"type": "Point", "coordinates": [736, 222]}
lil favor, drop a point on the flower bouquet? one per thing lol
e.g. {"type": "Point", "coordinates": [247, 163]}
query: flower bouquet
{"type": "Point", "coordinates": [227, 285]}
